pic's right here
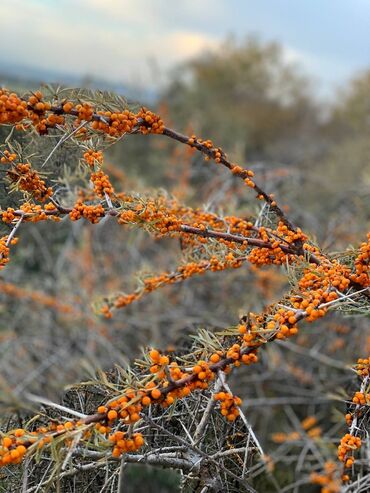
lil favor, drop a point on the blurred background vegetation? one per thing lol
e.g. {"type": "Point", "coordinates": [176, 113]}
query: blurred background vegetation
{"type": "Point", "coordinates": [313, 155]}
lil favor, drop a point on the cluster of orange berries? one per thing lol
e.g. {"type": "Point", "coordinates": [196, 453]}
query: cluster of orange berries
{"type": "Point", "coordinates": [361, 398]}
{"type": "Point", "coordinates": [158, 362]}
{"type": "Point", "coordinates": [37, 113]}
{"type": "Point", "coordinates": [121, 408]}
{"type": "Point", "coordinates": [114, 124]}
{"type": "Point", "coordinates": [25, 178]}
{"type": "Point", "coordinates": [123, 443]}
{"type": "Point", "coordinates": [8, 157]}
{"type": "Point", "coordinates": [127, 216]}
{"type": "Point", "coordinates": [152, 123]}
{"type": "Point", "coordinates": [348, 444]}
{"type": "Point", "coordinates": [12, 447]}
{"type": "Point", "coordinates": [161, 367]}
{"type": "Point", "coordinates": [273, 254]}
{"type": "Point", "coordinates": [318, 285]}
{"type": "Point", "coordinates": [203, 374]}
{"type": "Point", "coordinates": [28, 180]}
{"type": "Point", "coordinates": [102, 185]}
{"type": "Point", "coordinates": [120, 301]}
{"type": "Point", "coordinates": [92, 213]}
{"type": "Point", "coordinates": [167, 217]}
{"type": "Point", "coordinates": [4, 249]}
{"type": "Point", "coordinates": [362, 274]}
{"type": "Point", "coordinates": [286, 323]}
{"type": "Point", "coordinates": [236, 225]}
{"type": "Point", "coordinates": [8, 215]}
{"type": "Point", "coordinates": [328, 479]}
{"type": "Point", "coordinates": [92, 157]}
{"type": "Point", "coordinates": [235, 352]}
{"type": "Point", "coordinates": [229, 405]}
{"type": "Point", "coordinates": [12, 108]}
{"type": "Point", "coordinates": [84, 111]}
{"type": "Point", "coordinates": [128, 406]}
{"type": "Point", "coordinates": [247, 174]}
{"type": "Point", "coordinates": [53, 120]}
{"type": "Point", "coordinates": [216, 153]}
{"type": "Point", "coordinates": [325, 276]}
{"type": "Point", "coordinates": [35, 213]}
{"type": "Point", "coordinates": [363, 367]}
{"type": "Point", "coordinates": [15, 444]}
{"type": "Point", "coordinates": [157, 213]}
{"type": "Point", "coordinates": [250, 335]}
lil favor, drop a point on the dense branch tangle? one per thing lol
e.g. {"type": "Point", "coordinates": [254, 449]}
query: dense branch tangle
{"type": "Point", "coordinates": [323, 282]}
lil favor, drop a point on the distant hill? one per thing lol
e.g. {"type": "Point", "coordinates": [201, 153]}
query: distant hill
{"type": "Point", "coordinates": [23, 77]}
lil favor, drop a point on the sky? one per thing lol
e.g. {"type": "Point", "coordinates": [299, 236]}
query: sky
{"type": "Point", "coordinates": [139, 41]}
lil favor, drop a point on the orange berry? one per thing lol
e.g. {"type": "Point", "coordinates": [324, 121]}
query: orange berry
{"type": "Point", "coordinates": [215, 358]}
{"type": "Point", "coordinates": [116, 452]}
{"type": "Point", "coordinates": [156, 393]}
{"type": "Point", "coordinates": [7, 442]}
{"type": "Point", "coordinates": [112, 414]}
{"type": "Point", "coordinates": [154, 355]}
{"type": "Point", "coordinates": [146, 400]}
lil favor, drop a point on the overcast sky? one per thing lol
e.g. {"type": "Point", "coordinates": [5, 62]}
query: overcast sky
{"type": "Point", "coordinates": [119, 39]}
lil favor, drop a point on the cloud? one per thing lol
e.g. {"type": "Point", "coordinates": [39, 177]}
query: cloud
{"type": "Point", "coordinates": [115, 39]}
{"type": "Point", "coordinates": [115, 45]}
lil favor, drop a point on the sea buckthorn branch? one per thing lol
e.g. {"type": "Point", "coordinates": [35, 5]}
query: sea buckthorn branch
{"type": "Point", "coordinates": [229, 260]}
{"type": "Point", "coordinates": [207, 148]}
{"type": "Point", "coordinates": [264, 252]}
{"type": "Point", "coordinates": [95, 212]}
{"type": "Point", "coordinates": [326, 278]}
{"type": "Point", "coordinates": [162, 216]}
{"type": "Point", "coordinates": [236, 354]}
{"type": "Point", "coordinates": [180, 274]}
{"type": "Point", "coordinates": [44, 116]}
{"type": "Point", "coordinates": [232, 238]}
{"type": "Point", "coordinates": [149, 123]}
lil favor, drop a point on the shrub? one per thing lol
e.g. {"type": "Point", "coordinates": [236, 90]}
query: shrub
{"type": "Point", "coordinates": [171, 408]}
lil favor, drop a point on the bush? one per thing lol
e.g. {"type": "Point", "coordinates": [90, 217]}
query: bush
{"type": "Point", "coordinates": [173, 407]}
